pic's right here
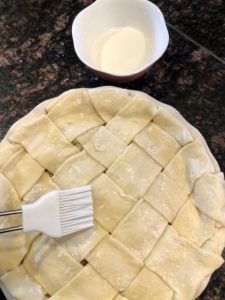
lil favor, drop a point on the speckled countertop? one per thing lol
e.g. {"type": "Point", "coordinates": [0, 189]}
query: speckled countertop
{"type": "Point", "coordinates": [37, 62]}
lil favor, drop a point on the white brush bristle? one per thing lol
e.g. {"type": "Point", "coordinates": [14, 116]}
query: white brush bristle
{"type": "Point", "coordinates": [60, 212]}
{"type": "Point", "coordinates": [76, 209]}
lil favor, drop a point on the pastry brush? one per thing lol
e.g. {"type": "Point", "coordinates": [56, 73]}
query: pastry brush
{"type": "Point", "coordinates": [56, 213]}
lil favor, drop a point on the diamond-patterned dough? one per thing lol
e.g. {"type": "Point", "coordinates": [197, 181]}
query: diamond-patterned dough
{"type": "Point", "coordinates": [42, 186]}
{"type": "Point", "coordinates": [189, 164]}
{"type": "Point", "coordinates": [13, 246]}
{"type": "Point", "coordinates": [50, 147]}
{"type": "Point", "coordinates": [180, 264]}
{"type": "Point", "coordinates": [8, 195]}
{"type": "Point", "coordinates": [173, 127]}
{"type": "Point", "coordinates": [132, 118]}
{"type": "Point", "coordinates": [216, 243]}
{"type": "Point", "coordinates": [102, 145]}
{"type": "Point", "coordinates": [75, 114]}
{"type": "Point", "coordinates": [134, 171]}
{"type": "Point", "coordinates": [77, 170]}
{"type": "Point", "coordinates": [166, 197]}
{"type": "Point", "coordinates": [23, 171]}
{"type": "Point", "coordinates": [80, 244]}
{"type": "Point", "coordinates": [159, 205]}
{"type": "Point", "coordinates": [50, 265]}
{"type": "Point", "coordinates": [7, 150]}
{"type": "Point", "coordinates": [115, 263]}
{"type": "Point", "coordinates": [140, 229]}
{"type": "Point", "coordinates": [148, 286]}
{"type": "Point", "coordinates": [194, 225]}
{"type": "Point", "coordinates": [111, 204]}
{"type": "Point", "coordinates": [207, 190]}
{"type": "Point", "coordinates": [157, 143]}
{"type": "Point", "coordinates": [20, 286]}
{"type": "Point", "coordinates": [109, 101]}
{"type": "Point", "coordinates": [49, 106]}
{"type": "Point", "coordinates": [87, 285]}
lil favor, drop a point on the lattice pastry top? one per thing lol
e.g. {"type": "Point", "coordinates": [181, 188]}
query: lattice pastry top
{"type": "Point", "coordinates": [159, 200]}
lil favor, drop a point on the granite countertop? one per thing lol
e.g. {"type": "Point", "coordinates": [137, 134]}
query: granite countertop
{"type": "Point", "coordinates": [37, 62]}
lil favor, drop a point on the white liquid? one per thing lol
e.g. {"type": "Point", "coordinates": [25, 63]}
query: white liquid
{"type": "Point", "coordinates": [120, 50]}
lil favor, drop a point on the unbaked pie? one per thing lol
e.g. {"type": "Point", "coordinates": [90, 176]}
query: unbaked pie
{"type": "Point", "coordinates": [159, 201]}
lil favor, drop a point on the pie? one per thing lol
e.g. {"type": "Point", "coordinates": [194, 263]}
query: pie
{"type": "Point", "coordinates": [159, 200]}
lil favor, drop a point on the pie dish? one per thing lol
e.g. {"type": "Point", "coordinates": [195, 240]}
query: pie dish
{"type": "Point", "coordinates": [159, 200]}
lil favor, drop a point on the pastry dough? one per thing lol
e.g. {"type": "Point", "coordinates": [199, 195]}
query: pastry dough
{"type": "Point", "coordinates": [140, 229]}
{"type": "Point", "coordinates": [9, 198]}
{"type": "Point", "coordinates": [173, 127]}
{"type": "Point", "coordinates": [194, 225]}
{"type": "Point", "coordinates": [42, 186]}
{"type": "Point", "coordinates": [189, 164]}
{"type": "Point", "coordinates": [131, 171]}
{"type": "Point", "coordinates": [77, 170]}
{"type": "Point", "coordinates": [115, 263]}
{"type": "Point", "coordinates": [7, 150]}
{"type": "Point", "coordinates": [166, 197]}
{"type": "Point", "coordinates": [50, 265]}
{"type": "Point", "coordinates": [102, 145]}
{"type": "Point", "coordinates": [132, 118]}
{"type": "Point", "coordinates": [109, 101]}
{"type": "Point", "coordinates": [75, 114]}
{"type": "Point", "coordinates": [157, 143]}
{"type": "Point", "coordinates": [158, 199]}
{"type": "Point", "coordinates": [111, 204]}
{"type": "Point", "coordinates": [23, 171]}
{"type": "Point", "coordinates": [209, 196]}
{"type": "Point", "coordinates": [21, 286]}
{"type": "Point", "coordinates": [13, 246]}
{"type": "Point", "coordinates": [80, 244]}
{"type": "Point", "coordinates": [50, 104]}
{"type": "Point", "coordinates": [119, 297]}
{"type": "Point", "coordinates": [50, 147]}
{"type": "Point", "coordinates": [216, 243]}
{"type": "Point", "coordinates": [87, 285]}
{"type": "Point", "coordinates": [148, 286]}
{"type": "Point", "coordinates": [180, 264]}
